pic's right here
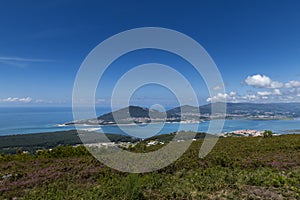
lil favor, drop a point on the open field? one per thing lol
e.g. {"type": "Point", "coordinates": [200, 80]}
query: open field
{"type": "Point", "coordinates": [237, 168]}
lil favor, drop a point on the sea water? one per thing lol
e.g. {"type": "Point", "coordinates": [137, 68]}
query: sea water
{"type": "Point", "coordinates": [24, 120]}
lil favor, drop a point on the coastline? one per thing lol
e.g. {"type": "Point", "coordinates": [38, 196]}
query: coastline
{"type": "Point", "coordinates": [175, 122]}
{"type": "Point", "coordinates": [288, 126]}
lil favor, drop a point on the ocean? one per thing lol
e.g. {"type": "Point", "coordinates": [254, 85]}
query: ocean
{"type": "Point", "coordinates": [24, 120]}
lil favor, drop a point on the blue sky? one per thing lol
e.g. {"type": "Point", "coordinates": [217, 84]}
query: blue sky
{"type": "Point", "coordinates": [255, 44]}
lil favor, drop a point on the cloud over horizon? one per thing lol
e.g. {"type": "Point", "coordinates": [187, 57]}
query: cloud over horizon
{"type": "Point", "coordinates": [17, 99]}
{"type": "Point", "coordinates": [262, 81]}
{"type": "Point", "coordinates": [274, 91]}
{"type": "Point", "coordinates": [293, 84]}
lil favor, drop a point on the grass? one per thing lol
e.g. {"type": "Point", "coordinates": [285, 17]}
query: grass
{"type": "Point", "coordinates": [237, 168]}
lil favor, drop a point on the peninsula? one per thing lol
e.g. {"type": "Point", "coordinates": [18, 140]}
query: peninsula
{"type": "Point", "coordinates": [192, 114]}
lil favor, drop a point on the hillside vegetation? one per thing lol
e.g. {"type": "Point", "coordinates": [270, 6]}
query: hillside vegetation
{"type": "Point", "coordinates": [38, 141]}
{"type": "Point", "coordinates": [237, 168]}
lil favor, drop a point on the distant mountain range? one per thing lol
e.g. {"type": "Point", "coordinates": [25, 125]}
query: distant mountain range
{"type": "Point", "coordinates": [186, 113]}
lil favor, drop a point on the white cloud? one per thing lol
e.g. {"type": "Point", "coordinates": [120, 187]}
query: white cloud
{"type": "Point", "coordinates": [236, 98]}
{"type": "Point", "coordinates": [293, 84]}
{"type": "Point", "coordinates": [16, 99]}
{"type": "Point", "coordinates": [251, 97]}
{"type": "Point", "coordinates": [274, 91]}
{"type": "Point", "coordinates": [281, 92]}
{"type": "Point", "coordinates": [264, 93]}
{"type": "Point", "coordinates": [267, 96]}
{"type": "Point", "coordinates": [218, 97]}
{"type": "Point", "coordinates": [276, 84]}
{"type": "Point", "coordinates": [232, 94]}
{"type": "Point", "coordinates": [277, 92]}
{"type": "Point", "coordinates": [258, 80]}
{"type": "Point", "coordinates": [25, 100]}
{"type": "Point", "coordinates": [268, 93]}
{"type": "Point", "coordinates": [218, 87]}
{"type": "Point", "coordinates": [274, 95]}
{"type": "Point", "coordinates": [262, 81]}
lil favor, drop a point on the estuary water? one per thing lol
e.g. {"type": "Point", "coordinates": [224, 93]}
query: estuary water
{"type": "Point", "coordinates": [24, 120]}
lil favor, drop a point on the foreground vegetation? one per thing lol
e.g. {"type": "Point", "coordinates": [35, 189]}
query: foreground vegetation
{"type": "Point", "coordinates": [237, 168]}
{"type": "Point", "coordinates": [38, 141]}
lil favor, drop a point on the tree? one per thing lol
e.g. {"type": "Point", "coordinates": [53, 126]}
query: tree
{"type": "Point", "coordinates": [267, 133]}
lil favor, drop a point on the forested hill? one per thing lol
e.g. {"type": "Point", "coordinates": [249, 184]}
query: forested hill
{"type": "Point", "coordinates": [136, 114]}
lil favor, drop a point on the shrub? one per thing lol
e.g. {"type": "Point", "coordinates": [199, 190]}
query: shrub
{"type": "Point", "coordinates": [267, 133]}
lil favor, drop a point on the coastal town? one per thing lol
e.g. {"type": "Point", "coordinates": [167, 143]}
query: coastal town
{"type": "Point", "coordinates": [244, 133]}
{"type": "Point", "coordinates": [151, 142]}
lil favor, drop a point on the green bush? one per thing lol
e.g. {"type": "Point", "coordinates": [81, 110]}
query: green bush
{"type": "Point", "coordinates": [267, 133]}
